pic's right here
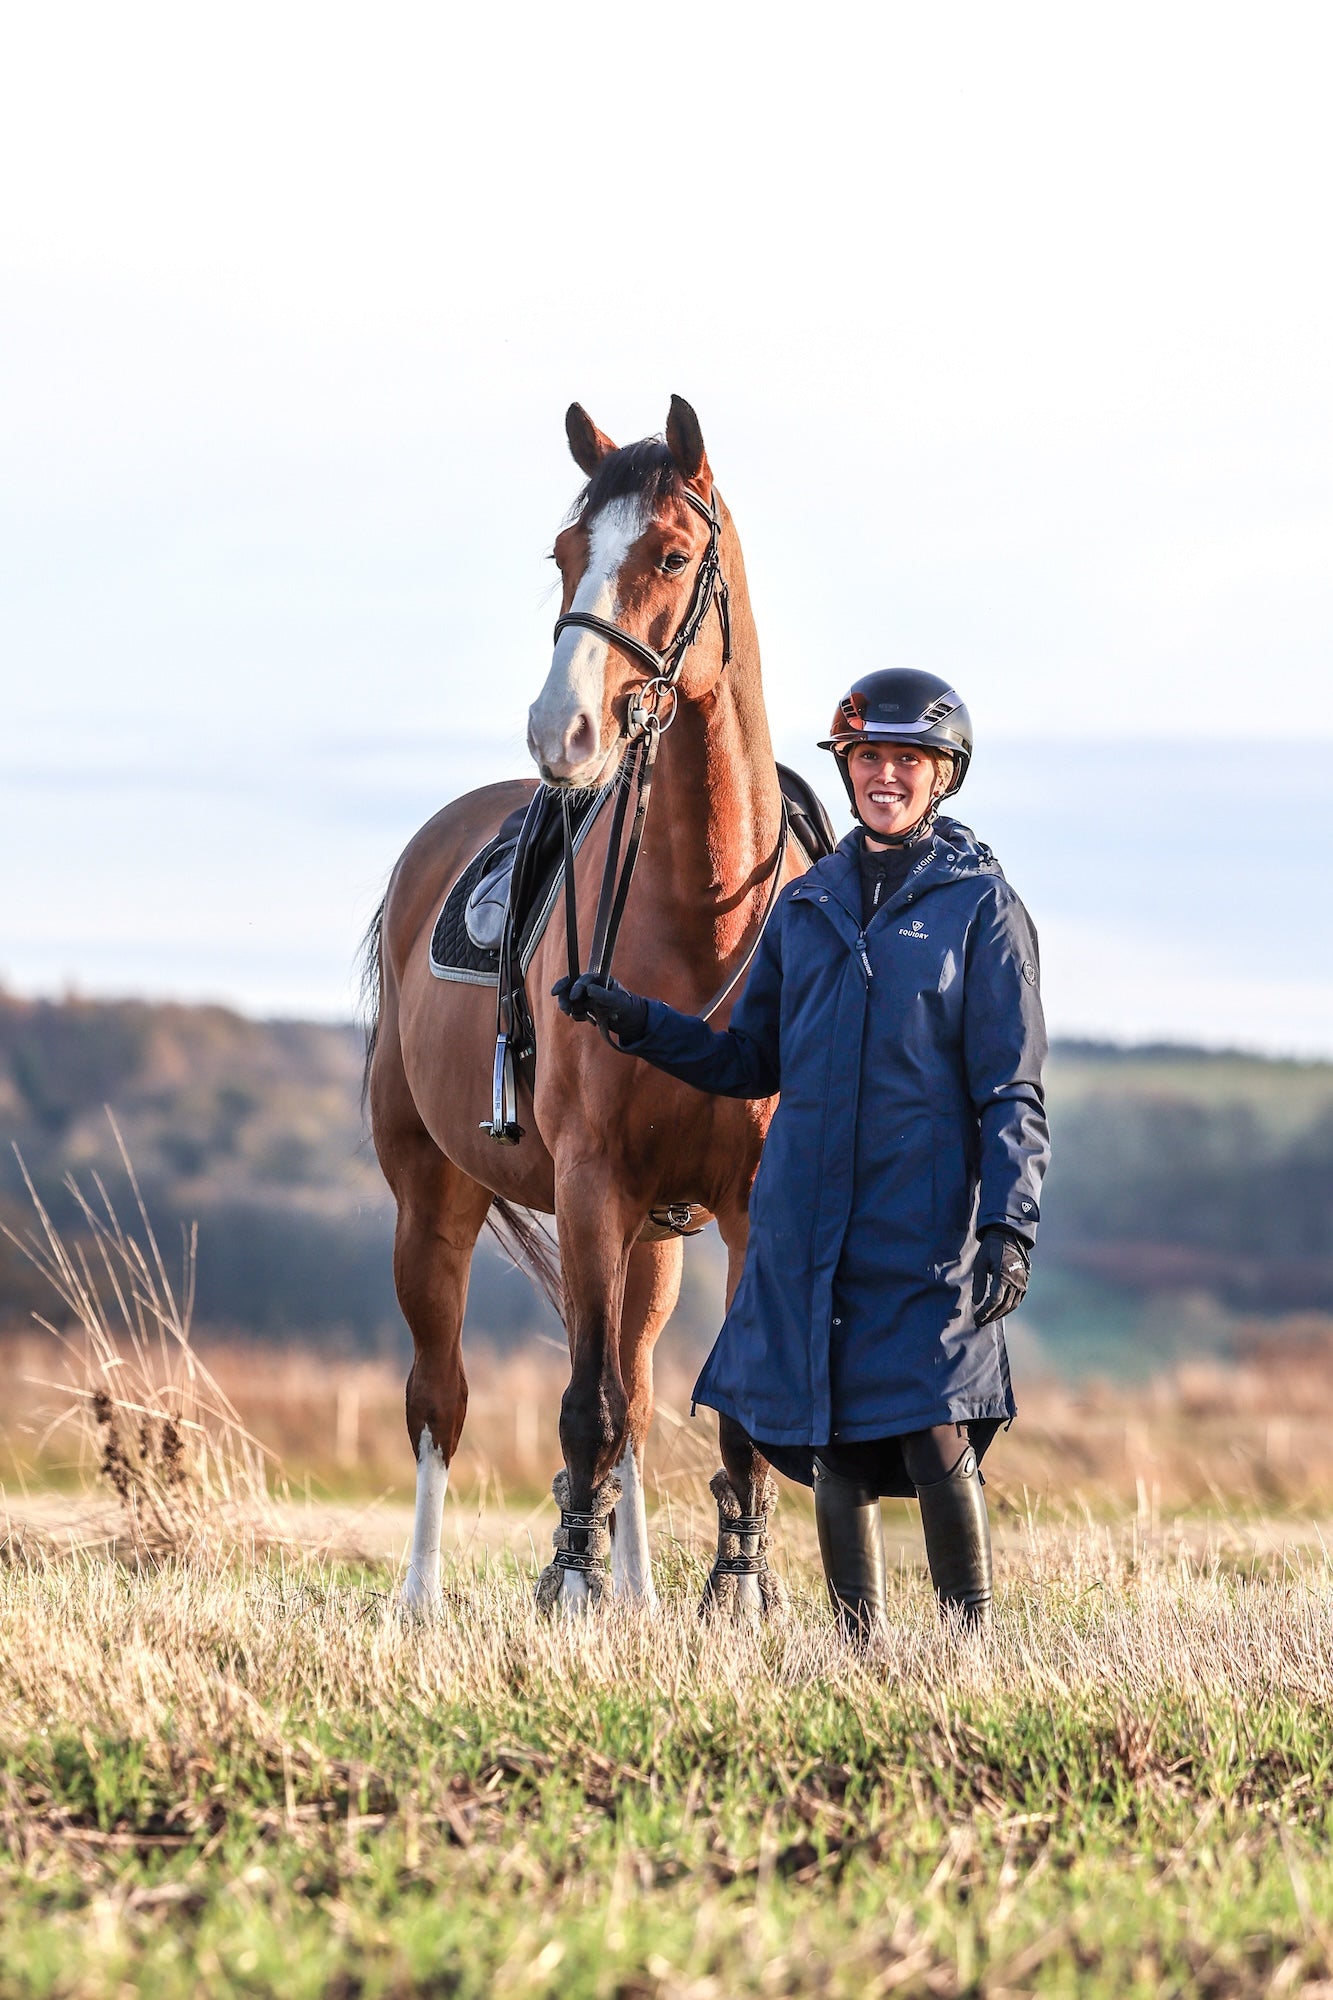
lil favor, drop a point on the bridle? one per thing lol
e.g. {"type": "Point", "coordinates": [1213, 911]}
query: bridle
{"type": "Point", "coordinates": [710, 586]}
{"type": "Point", "coordinates": [645, 723]}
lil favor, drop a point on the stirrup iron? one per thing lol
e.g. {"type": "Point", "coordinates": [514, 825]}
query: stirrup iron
{"type": "Point", "coordinates": [502, 1125]}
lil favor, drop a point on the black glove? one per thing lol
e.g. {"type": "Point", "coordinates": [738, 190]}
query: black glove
{"type": "Point", "coordinates": [1000, 1274]}
{"type": "Point", "coordinates": [604, 1001]}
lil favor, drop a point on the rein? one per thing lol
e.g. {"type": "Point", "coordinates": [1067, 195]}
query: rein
{"type": "Point", "coordinates": [644, 732]}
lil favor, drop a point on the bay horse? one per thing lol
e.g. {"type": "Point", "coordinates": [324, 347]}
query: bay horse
{"type": "Point", "coordinates": [606, 1139]}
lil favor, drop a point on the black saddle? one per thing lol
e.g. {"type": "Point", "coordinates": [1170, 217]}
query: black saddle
{"type": "Point", "coordinates": [806, 814]}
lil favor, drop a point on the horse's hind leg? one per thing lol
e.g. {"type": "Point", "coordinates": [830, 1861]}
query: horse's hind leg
{"type": "Point", "coordinates": [741, 1581]}
{"type": "Point", "coordinates": [652, 1286]}
{"type": "Point", "coordinates": [440, 1213]}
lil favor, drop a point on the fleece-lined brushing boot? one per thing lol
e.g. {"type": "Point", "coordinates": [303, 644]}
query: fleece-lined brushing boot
{"type": "Point", "coordinates": [953, 1514]}
{"type": "Point", "coordinates": [851, 1542]}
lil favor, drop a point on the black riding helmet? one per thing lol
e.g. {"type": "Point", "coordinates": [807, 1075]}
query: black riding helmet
{"type": "Point", "coordinates": [901, 705]}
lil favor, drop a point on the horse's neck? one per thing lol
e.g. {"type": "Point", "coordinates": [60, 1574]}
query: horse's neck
{"type": "Point", "coordinates": [713, 829]}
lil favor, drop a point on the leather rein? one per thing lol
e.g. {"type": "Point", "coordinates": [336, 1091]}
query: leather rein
{"type": "Point", "coordinates": [645, 724]}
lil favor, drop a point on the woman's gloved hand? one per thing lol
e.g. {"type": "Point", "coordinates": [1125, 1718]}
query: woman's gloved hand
{"type": "Point", "coordinates": [1000, 1274]}
{"type": "Point", "coordinates": [606, 1002]}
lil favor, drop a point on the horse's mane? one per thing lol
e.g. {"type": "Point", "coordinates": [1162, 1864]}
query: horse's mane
{"type": "Point", "coordinates": [646, 469]}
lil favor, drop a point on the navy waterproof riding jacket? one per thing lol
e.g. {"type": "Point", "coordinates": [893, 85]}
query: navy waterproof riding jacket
{"type": "Point", "coordinates": [908, 1056]}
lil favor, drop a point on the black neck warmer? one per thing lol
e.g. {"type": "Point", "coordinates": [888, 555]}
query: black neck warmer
{"type": "Point", "coordinates": [883, 872]}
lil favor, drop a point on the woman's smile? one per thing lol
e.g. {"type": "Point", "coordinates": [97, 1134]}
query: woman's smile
{"type": "Point", "coordinates": [894, 784]}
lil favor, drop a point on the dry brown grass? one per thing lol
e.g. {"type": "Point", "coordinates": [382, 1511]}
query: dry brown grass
{"type": "Point", "coordinates": [223, 1777]}
{"type": "Point", "coordinates": [1203, 1435]}
{"type": "Point", "coordinates": [116, 1372]}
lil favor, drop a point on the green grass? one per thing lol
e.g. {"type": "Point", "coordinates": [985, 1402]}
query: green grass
{"type": "Point", "coordinates": [253, 1778]}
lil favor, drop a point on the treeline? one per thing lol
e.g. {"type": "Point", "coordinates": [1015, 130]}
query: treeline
{"type": "Point", "coordinates": [1177, 1173]}
{"type": "Point", "coordinates": [1158, 1191]}
{"type": "Point", "coordinates": [252, 1130]}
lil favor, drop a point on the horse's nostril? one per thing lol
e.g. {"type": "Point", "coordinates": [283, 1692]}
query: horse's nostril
{"type": "Point", "coordinates": [582, 739]}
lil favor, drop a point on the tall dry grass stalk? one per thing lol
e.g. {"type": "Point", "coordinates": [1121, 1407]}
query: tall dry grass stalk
{"type": "Point", "coordinates": [148, 1413]}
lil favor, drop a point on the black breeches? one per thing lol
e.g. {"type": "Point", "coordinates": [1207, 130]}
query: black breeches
{"type": "Point", "coordinates": [894, 1465]}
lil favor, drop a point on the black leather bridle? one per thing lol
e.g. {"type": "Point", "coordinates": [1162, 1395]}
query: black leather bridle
{"type": "Point", "coordinates": [644, 726]}
{"type": "Point", "coordinates": [644, 723]}
{"type": "Point", "coordinates": [710, 587]}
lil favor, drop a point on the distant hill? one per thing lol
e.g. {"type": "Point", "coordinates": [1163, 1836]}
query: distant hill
{"type": "Point", "coordinates": [1190, 1189]}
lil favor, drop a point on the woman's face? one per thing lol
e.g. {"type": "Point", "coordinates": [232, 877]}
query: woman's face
{"type": "Point", "coordinates": [894, 784]}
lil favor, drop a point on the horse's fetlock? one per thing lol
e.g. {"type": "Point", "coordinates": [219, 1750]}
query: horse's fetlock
{"type": "Point", "coordinates": [582, 1541]}
{"type": "Point", "coordinates": [741, 1583]}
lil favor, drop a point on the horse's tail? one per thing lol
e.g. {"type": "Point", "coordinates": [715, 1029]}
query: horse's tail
{"type": "Point", "coordinates": [371, 990]}
{"type": "Point", "coordinates": [524, 1237]}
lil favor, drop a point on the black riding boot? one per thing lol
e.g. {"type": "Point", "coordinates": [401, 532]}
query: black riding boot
{"type": "Point", "coordinates": [953, 1514]}
{"type": "Point", "coordinates": [851, 1542]}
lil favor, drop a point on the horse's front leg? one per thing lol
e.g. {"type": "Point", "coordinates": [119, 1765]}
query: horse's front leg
{"type": "Point", "coordinates": [595, 1239]}
{"type": "Point", "coordinates": [741, 1583]}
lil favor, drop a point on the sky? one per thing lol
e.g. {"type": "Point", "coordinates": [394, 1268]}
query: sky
{"type": "Point", "coordinates": [1010, 331]}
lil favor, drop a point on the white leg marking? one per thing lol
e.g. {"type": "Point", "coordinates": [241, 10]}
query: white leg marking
{"type": "Point", "coordinates": [631, 1557]}
{"type": "Point", "coordinates": [421, 1585]}
{"type": "Point", "coordinates": [573, 1591]}
{"type": "Point", "coordinates": [749, 1597]}
{"type": "Point", "coordinates": [576, 683]}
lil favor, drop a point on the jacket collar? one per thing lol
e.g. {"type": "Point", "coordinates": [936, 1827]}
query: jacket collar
{"type": "Point", "coordinates": [952, 851]}
{"type": "Point", "coordinates": [840, 874]}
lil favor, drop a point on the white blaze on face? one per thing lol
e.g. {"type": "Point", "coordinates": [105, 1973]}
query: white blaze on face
{"type": "Point", "coordinates": [421, 1585]}
{"type": "Point", "coordinates": [565, 721]}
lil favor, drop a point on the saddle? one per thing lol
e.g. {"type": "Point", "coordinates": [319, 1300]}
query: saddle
{"type": "Point", "coordinates": [496, 913]}
{"type": "Point", "coordinates": [469, 930]}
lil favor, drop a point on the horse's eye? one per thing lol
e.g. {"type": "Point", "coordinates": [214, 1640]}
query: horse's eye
{"type": "Point", "coordinates": [674, 563]}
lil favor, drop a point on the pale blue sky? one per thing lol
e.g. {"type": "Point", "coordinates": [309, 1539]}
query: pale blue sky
{"type": "Point", "coordinates": [1009, 331]}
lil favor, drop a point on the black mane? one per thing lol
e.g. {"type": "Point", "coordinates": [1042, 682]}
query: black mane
{"type": "Point", "coordinates": [646, 469]}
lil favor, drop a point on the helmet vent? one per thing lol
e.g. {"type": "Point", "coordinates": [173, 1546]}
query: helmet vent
{"type": "Point", "coordinates": [944, 705]}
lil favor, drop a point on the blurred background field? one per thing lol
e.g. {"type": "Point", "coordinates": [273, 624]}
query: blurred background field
{"type": "Point", "coordinates": [1176, 1347]}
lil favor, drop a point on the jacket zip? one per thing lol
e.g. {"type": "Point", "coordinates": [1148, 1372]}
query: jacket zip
{"type": "Point", "coordinates": [863, 955]}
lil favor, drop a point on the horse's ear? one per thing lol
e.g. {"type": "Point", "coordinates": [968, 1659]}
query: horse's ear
{"type": "Point", "coordinates": [589, 445]}
{"type": "Point", "coordinates": [685, 441]}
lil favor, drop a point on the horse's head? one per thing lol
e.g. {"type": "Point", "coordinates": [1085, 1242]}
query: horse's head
{"type": "Point", "coordinates": [629, 557]}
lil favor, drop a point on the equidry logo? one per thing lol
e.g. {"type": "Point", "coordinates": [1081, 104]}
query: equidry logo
{"type": "Point", "coordinates": [916, 933]}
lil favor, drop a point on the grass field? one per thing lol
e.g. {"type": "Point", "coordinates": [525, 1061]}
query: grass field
{"type": "Point", "coordinates": [235, 1773]}
{"type": "Point", "coordinates": [228, 1765]}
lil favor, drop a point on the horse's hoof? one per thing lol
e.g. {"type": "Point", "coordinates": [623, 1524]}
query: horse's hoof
{"type": "Point", "coordinates": [418, 1600]}
{"type": "Point", "coordinates": [747, 1599]}
{"type": "Point", "coordinates": [572, 1591]}
{"type": "Point", "coordinates": [646, 1603]}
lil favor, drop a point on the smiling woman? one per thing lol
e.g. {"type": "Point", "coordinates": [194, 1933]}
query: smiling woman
{"type": "Point", "coordinates": [893, 1001]}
